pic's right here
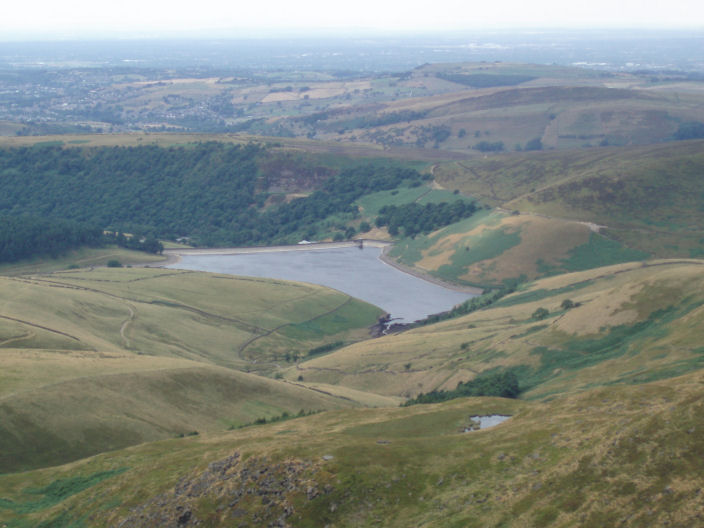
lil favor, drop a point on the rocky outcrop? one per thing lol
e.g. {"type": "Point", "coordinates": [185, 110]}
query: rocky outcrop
{"type": "Point", "coordinates": [252, 492]}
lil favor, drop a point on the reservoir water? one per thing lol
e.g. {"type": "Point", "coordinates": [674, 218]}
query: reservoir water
{"type": "Point", "coordinates": [357, 272]}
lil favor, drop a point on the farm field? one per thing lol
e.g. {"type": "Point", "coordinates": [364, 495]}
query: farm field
{"type": "Point", "coordinates": [457, 107]}
{"type": "Point", "coordinates": [431, 112]}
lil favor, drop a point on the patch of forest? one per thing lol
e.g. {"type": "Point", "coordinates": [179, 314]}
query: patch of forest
{"type": "Point", "coordinates": [165, 192]}
{"type": "Point", "coordinates": [213, 193]}
{"type": "Point", "coordinates": [501, 384]}
{"type": "Point", "coordinates": [25, 236]}
{"type": "Point", "coordinates": [414, 218]}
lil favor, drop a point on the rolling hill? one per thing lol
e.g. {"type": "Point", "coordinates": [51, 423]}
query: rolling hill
{"type": "Point", "coordinates": [451, 108]}
{"type": "Point", "coordinates": [459, 107]}
{"type": "Point", "coordinates": [498, 249]}
{"type": "Point", "coordinates": [101, 359]}
{"type": "Point", "coordinates": [139, 397]}
{"type": "Point", "coordinates": [627, 323]}
{"type": "Point", "coordinates": [617, 456]}
{"type": "Point", "coordinates": [649, 198]}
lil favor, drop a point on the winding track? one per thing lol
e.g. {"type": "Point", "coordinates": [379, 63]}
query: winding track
{"type": "Point", "coordinates": [124, 326]}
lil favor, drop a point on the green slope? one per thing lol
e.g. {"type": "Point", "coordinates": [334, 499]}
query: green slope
{"type": "Point", "coordinates": [630, 323]}
{"type": "Point", "coordinates": [493, 249]}
{"type": "Point", "coordinates": [101, 359]}
{"type": "Point", "coordinates": [80, 417]}
{"type": "Point", "coordinates": [648, 198]}
{"type": "Point", "coordinates": [617, 456]}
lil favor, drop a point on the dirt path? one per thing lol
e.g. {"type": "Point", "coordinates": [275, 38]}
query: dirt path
{"type": "Point", "coordinates": [14, 339]}
{"type": "Point", "coordinates": [59, 332]}
{"type": "Point", "coordinates": [124, 326]}
{"type": "Point", "coordinates": [171, 258]}
{"type": "Point", "coordinates": [596, 228]}
{"type": "Point", "coordinates": [171, 304]}
{"type": "Point", "coordinates": [269, 332]}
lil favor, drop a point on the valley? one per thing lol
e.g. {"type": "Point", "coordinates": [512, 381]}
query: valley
{"type": "Point", "coordinates": [190, 364]}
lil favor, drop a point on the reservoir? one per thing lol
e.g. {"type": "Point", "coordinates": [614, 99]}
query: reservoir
{"type": "Point", "coordinates": [357, 272]}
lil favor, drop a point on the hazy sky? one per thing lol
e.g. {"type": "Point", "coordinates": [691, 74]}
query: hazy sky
{"type": "Point", "coordinates": [66, 17]}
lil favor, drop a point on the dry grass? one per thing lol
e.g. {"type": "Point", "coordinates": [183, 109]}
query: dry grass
{"type": "Point", "coordinates": [83, 258]}
{"type": "Point", "coordinates": [213, 318]}
{"type": "Point", "coordinates": [133, 353]}
{"type": "Point", "coordinates": [625, 456]}
{"type": "Point", "coordinates": [542, 239]}
{"type": "Point", "coordinates": [614, 299]}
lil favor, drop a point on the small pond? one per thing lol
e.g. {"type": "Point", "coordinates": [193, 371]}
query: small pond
{"type": "Point", "coordinates": [484, 422]}
{"type": "Point", "coordinates": [357, 272]}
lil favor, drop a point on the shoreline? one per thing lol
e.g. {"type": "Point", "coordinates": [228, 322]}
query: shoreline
{"type": "Point", "coordinates": [426, 276]}
{"type": "Point", "coordinates": [312, 246]}
{"type": "Point", "coordinates": [173, 256]}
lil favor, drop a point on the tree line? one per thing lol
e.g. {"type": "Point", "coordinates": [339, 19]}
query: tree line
{"type": "Point", "coordinates": [469, 306]}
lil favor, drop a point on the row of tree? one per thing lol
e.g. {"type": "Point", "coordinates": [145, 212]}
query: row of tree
{"type": "Point", "coordinates": [136, 242]}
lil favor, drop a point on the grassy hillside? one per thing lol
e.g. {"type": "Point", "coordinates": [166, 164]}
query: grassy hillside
{"type": "Point", "coordinates": [564, 211]}
{"type": "Point", "coordinates": [616, 456]}
{"type": "Point", "coordinates": [170, 139]}
{"type": "Point", "coordinates": [628, 323]}
{"type": "Point", "coordinates": [142, 354]}
{"type": "Point", "coordinates": [79, 258]}
{"type": "Point", "coordinates": [430, 112]}
{"type": "Point", "coordinates": [371, 203]}
{"type": "Point", "coordinates": [456, 107]}
{"type": "Point", "coordinates": [218, 319]}
{"type": "Point", "coordinates": [493, 249]}
{"type": "Point", "coordinates": [138, 397]}
{"type": "Point", "coordinates": [130, 401]}
{"type": "Point", "coordinates": [649, 198]}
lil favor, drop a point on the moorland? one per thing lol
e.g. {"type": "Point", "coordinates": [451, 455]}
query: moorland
{"type": "Point", "coordinates": [134, 395]}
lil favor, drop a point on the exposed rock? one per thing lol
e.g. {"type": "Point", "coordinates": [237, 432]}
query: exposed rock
{"type": "Point", "coordinates": [255, 492]}
{"type": "Point", "coordinates": [379, 329]}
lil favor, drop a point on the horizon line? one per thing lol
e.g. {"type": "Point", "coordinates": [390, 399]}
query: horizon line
{"type": "Point", "coordinates": [238, 33]}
